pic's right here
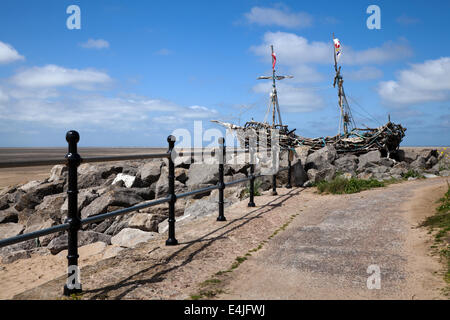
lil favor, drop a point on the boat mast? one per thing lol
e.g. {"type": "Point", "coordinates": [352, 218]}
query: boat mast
{"type": "Point", "coordinates": [345, 117]}
{"type": "Point", "coordinates": [274, 96]}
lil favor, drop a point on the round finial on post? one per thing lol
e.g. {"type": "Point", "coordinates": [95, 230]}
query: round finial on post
{"type": "Point", "coordinates": [171, 140]}
{"type": "Point", "coordinates": [72, 136]}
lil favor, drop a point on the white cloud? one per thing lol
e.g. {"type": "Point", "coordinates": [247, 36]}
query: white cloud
{"type": "Point", "coordinates": [278, 17]}
{"type": "Point", "coordinates": [95, 44]}
{"type": "Point", "coordinates": [164, 52]}
{"type": "Point", "coordinates": [3, 96]}
{"type": "Point", "coordinates": [8, 54]}
{"type": "Point", "coordinates": [425, 82]}
{"type": "Point", "coordinates": [293, 99]}
{"type": "Point", "coordinates": [293, 50]}
{"type": "Point", "coordinates": [364, 73]}
{"type": "Point", "coordinates": [55, 76]}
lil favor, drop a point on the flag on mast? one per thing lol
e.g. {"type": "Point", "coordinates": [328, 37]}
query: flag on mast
{"type": "Point", "coordinates": [337, 48]}
{"type": "Point", "coordinates": [274, 60]}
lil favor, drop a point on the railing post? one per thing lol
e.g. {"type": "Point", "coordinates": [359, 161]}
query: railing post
{"type": "Point", "coordinates": [251, 202]}
{"type": "Point", "coordinates": [274, 185]}
{"type": "Point", "coordinates": [73, 284]}
{"type": "Point", "coordinates": [222, 157]}
{"type": "Point", "coordinates": [171, 241]}
{"type": "Point", "coordinates": [289, 186]}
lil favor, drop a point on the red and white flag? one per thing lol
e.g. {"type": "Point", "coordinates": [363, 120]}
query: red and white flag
{"type": "Point", "coordinates": [274, 60]}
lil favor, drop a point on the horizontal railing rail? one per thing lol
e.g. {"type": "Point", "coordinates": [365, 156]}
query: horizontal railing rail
{"type": "Point", "coordinates": [73, 223]}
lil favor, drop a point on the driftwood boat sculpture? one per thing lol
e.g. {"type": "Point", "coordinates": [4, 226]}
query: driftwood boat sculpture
{"type": "Point", "coordinates": [350, 139]}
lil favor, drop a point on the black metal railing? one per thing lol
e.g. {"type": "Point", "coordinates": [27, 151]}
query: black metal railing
{"type": "Point", "coordinates": [74, 223]}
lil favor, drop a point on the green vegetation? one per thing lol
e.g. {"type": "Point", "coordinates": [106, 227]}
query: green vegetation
{"type": "Point", "coordinates": [440, 223]}
{"type": "Point", "coordinates": [246, 192]}
{"type": "Point", "coordinates": [412, 174]}
{"type": "Point", "coordinates": [341, 185]}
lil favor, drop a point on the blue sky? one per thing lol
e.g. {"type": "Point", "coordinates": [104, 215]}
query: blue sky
{"type": "Point", "coordinates": [137, 70]}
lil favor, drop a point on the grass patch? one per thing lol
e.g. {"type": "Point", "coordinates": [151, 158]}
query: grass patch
{"type": "Point", "coordinates": [412, 174]}
{"type": "Point", "coordinates": [341, 185]}
{"type": "Point", "coordinates": [256, 190]}
{"type": "Point", "coordinates": [440, 223]}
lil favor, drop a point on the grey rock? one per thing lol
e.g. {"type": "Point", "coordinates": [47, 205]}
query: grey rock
{"type": "Point", "coordinates": [346, 163]}
{"type": "Point", "coordinates": [130, 238]}
{"type": "Point", "coordinates": [16, 255]}
{"type": "Point", "coordinates": [431, 162]}
{"type": "Point", "coordinates": [181, 174]}
{"type": "Point", "coordinates": [58, 172]}
{"type": "Point", "coordinates": [321, 158]}
{"type": "Point", "coordinates": [387, 162]}
{"type": "Point", "coordinates": [299, 176]}
{"type": "Point", "coordinates": [145, 221]}
{"type": "Point", "coordinates": [419, 163]}
{"type": "Point", "coordinates": [84, 237]}
{"type": "Point", "coordinates": [92, 175]}
{"type": "Point", "coordinates": [124, 198]}
{"type": "Point", "coordinates": [365, 160]}
{"type": "Point", "coordinates": [202, 174]}
{"type": "Point", "coordinates": [128, 180]}
{"type": "Point", "coordinates": [9, 215]}
{"type": "Point", "coordinates": [85, 197]}
{"type": "Point", "coordinates": [4, 203]}
{"type": "Point", "coordinates": [324, 174]}
{"type": "Point", "coordinates": [10, 229]}
{"type": "Point", "coordinates": [429, 175]}
{"type": "Point", "coordinates": [150, 172]}
{"type": "Point", "coordinates": [162, 185]}
{"type": "Point", "coordinates": [444, 173]}
{"type": "Point", "coordinates": [34, 195]}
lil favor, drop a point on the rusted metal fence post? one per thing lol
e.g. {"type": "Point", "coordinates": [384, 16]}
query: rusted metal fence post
{"type": "Point", "coordinates": [73, 284]}
{"type": "Point", "coordinates": [171, 241]}
{"type": "Point", "coordinates": [222, 157]}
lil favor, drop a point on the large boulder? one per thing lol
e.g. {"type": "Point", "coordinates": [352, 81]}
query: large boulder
{"type": "Point", "coordinates": [85, 197]}
{"type": "Point", "coordinates": [130, 238]}
{"type": "Point", "coordinates": [34, 195]}
{"type": "Point", "coordinates": [162, 185]}
{"type": "Point", "coordinates": [150, 172]}
{"type": "Point", "coordinates": [9, 229]}
{"type": "Point", "coordinates": [129, 181]}
{"type": "Point", "coordinates": [369, 159]}
{"type": "Point", "coordinates": [301, 153]}
{"type": "Point", "coordinates": [92, 175]}
{"type": "Point", "coordinates": [145, 221]}
{"type": "Point", "coordinates": [346, 163]}
{"type": "Point", "coordinates": [9, 215]}
{"type": "Point", "coordinates": [58, 172]}
{"type": "Point", "coordinates": [321, 158]}
{"type": "Point", "coordinates": [202, 174]}
{"type": "Point", "coordinates": [419, 163]}
{"type": "Point", "coordinates": [324, 174]}
{"type": "Point", "coordinates": [84, 237]}
{"type": "Point", "coordinates": [123, 198]}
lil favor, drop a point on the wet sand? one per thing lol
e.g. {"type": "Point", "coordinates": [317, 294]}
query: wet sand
{"type": "Point", "coordinates": [13, 176]}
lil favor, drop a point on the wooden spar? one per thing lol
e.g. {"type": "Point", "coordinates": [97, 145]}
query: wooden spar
{"type": "Point", "coordinates": [274, 96]}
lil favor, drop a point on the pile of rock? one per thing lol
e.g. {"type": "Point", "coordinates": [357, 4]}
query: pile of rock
{"type": "Point", "coordinates": [110, 186]}
{"type": "Point", "coordinates": [326, 163]}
